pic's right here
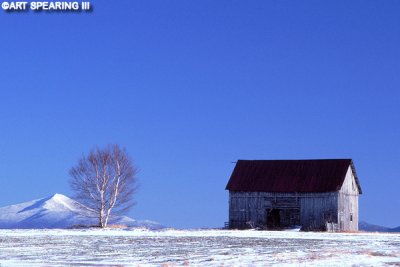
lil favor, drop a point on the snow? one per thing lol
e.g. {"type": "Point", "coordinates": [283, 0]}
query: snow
{"type": "Point", "coordinates": [58, 211]}
{"type": "Point", "coordinates": [27, 245]}
{"type": "Point", "coordinates": [169, 247]}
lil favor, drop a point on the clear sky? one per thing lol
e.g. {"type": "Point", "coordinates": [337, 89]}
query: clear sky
{"type": "Point", "coordinates": [188, 87]}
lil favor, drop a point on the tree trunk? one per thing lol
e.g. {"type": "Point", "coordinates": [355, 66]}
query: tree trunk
{"type": "Point", "coordinates": [101, 222]}
{"type": "Point", "coordinates": [102, 210]}
{"type": "Point", "coordinates": [107, 217]}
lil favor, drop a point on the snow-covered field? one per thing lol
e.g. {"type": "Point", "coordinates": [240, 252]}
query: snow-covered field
{"type": "Point", "coordinates": [195, 247]}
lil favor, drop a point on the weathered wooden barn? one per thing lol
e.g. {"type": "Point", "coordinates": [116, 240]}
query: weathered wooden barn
{"type": "Point", "coordinates": [275, 194]}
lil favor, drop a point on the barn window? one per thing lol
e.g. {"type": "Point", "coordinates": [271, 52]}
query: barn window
{"type": "Point", "coordinates": [351, 217]}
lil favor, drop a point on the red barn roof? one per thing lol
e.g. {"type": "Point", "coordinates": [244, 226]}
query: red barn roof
{"type": "Point", "coordinates": [321, 175]}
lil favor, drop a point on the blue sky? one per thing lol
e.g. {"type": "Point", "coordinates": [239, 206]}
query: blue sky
{"type": "Point", "coordinates": [188, 87]}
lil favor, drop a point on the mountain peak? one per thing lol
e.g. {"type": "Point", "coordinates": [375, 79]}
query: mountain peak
{"type": "Point", "coordinates": [59, 197]}
{"type": "Point", "coordinates": [56, 195]}
{"type": "Point", "coordinates": [59, 201]}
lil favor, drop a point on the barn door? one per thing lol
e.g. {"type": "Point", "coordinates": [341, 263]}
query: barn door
{"type": "Point", "coordinates": [273, 219]}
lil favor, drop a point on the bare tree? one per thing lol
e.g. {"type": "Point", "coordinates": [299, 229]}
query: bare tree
{"type": "Point", "coordinates": [105, 181]}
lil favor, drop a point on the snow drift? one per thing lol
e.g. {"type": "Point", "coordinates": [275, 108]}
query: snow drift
{"type": "Point", "coordinates": [58, 211]}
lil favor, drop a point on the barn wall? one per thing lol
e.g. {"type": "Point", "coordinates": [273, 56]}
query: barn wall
{"type": "Point", "coordinates": [316, 209]}
{"type": "Point", "coordinates": [348, 204]}
{"type": "Point", "coordinates": [310, 210]}
{"type": "Point", "coordinates": [251, 209]}
{"type": "Point", "coordinates": [245, 207]}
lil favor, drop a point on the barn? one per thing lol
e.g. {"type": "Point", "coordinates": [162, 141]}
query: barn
{"type": "Point", "coordinates": [318, 195]}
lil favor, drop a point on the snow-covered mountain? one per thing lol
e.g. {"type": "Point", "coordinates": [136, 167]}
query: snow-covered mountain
{"type": "Point", "coordinates": [58, 211]}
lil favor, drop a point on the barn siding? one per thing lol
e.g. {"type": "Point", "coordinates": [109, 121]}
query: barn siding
{"type": "Point", "coordinates": [250, 209]}
{"type": "Point", "coordinates": [348, 203]}
{"type": "Point", "coordinates": [317, 209]}
{"type": "Point", "coordinates": [310, 210]}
